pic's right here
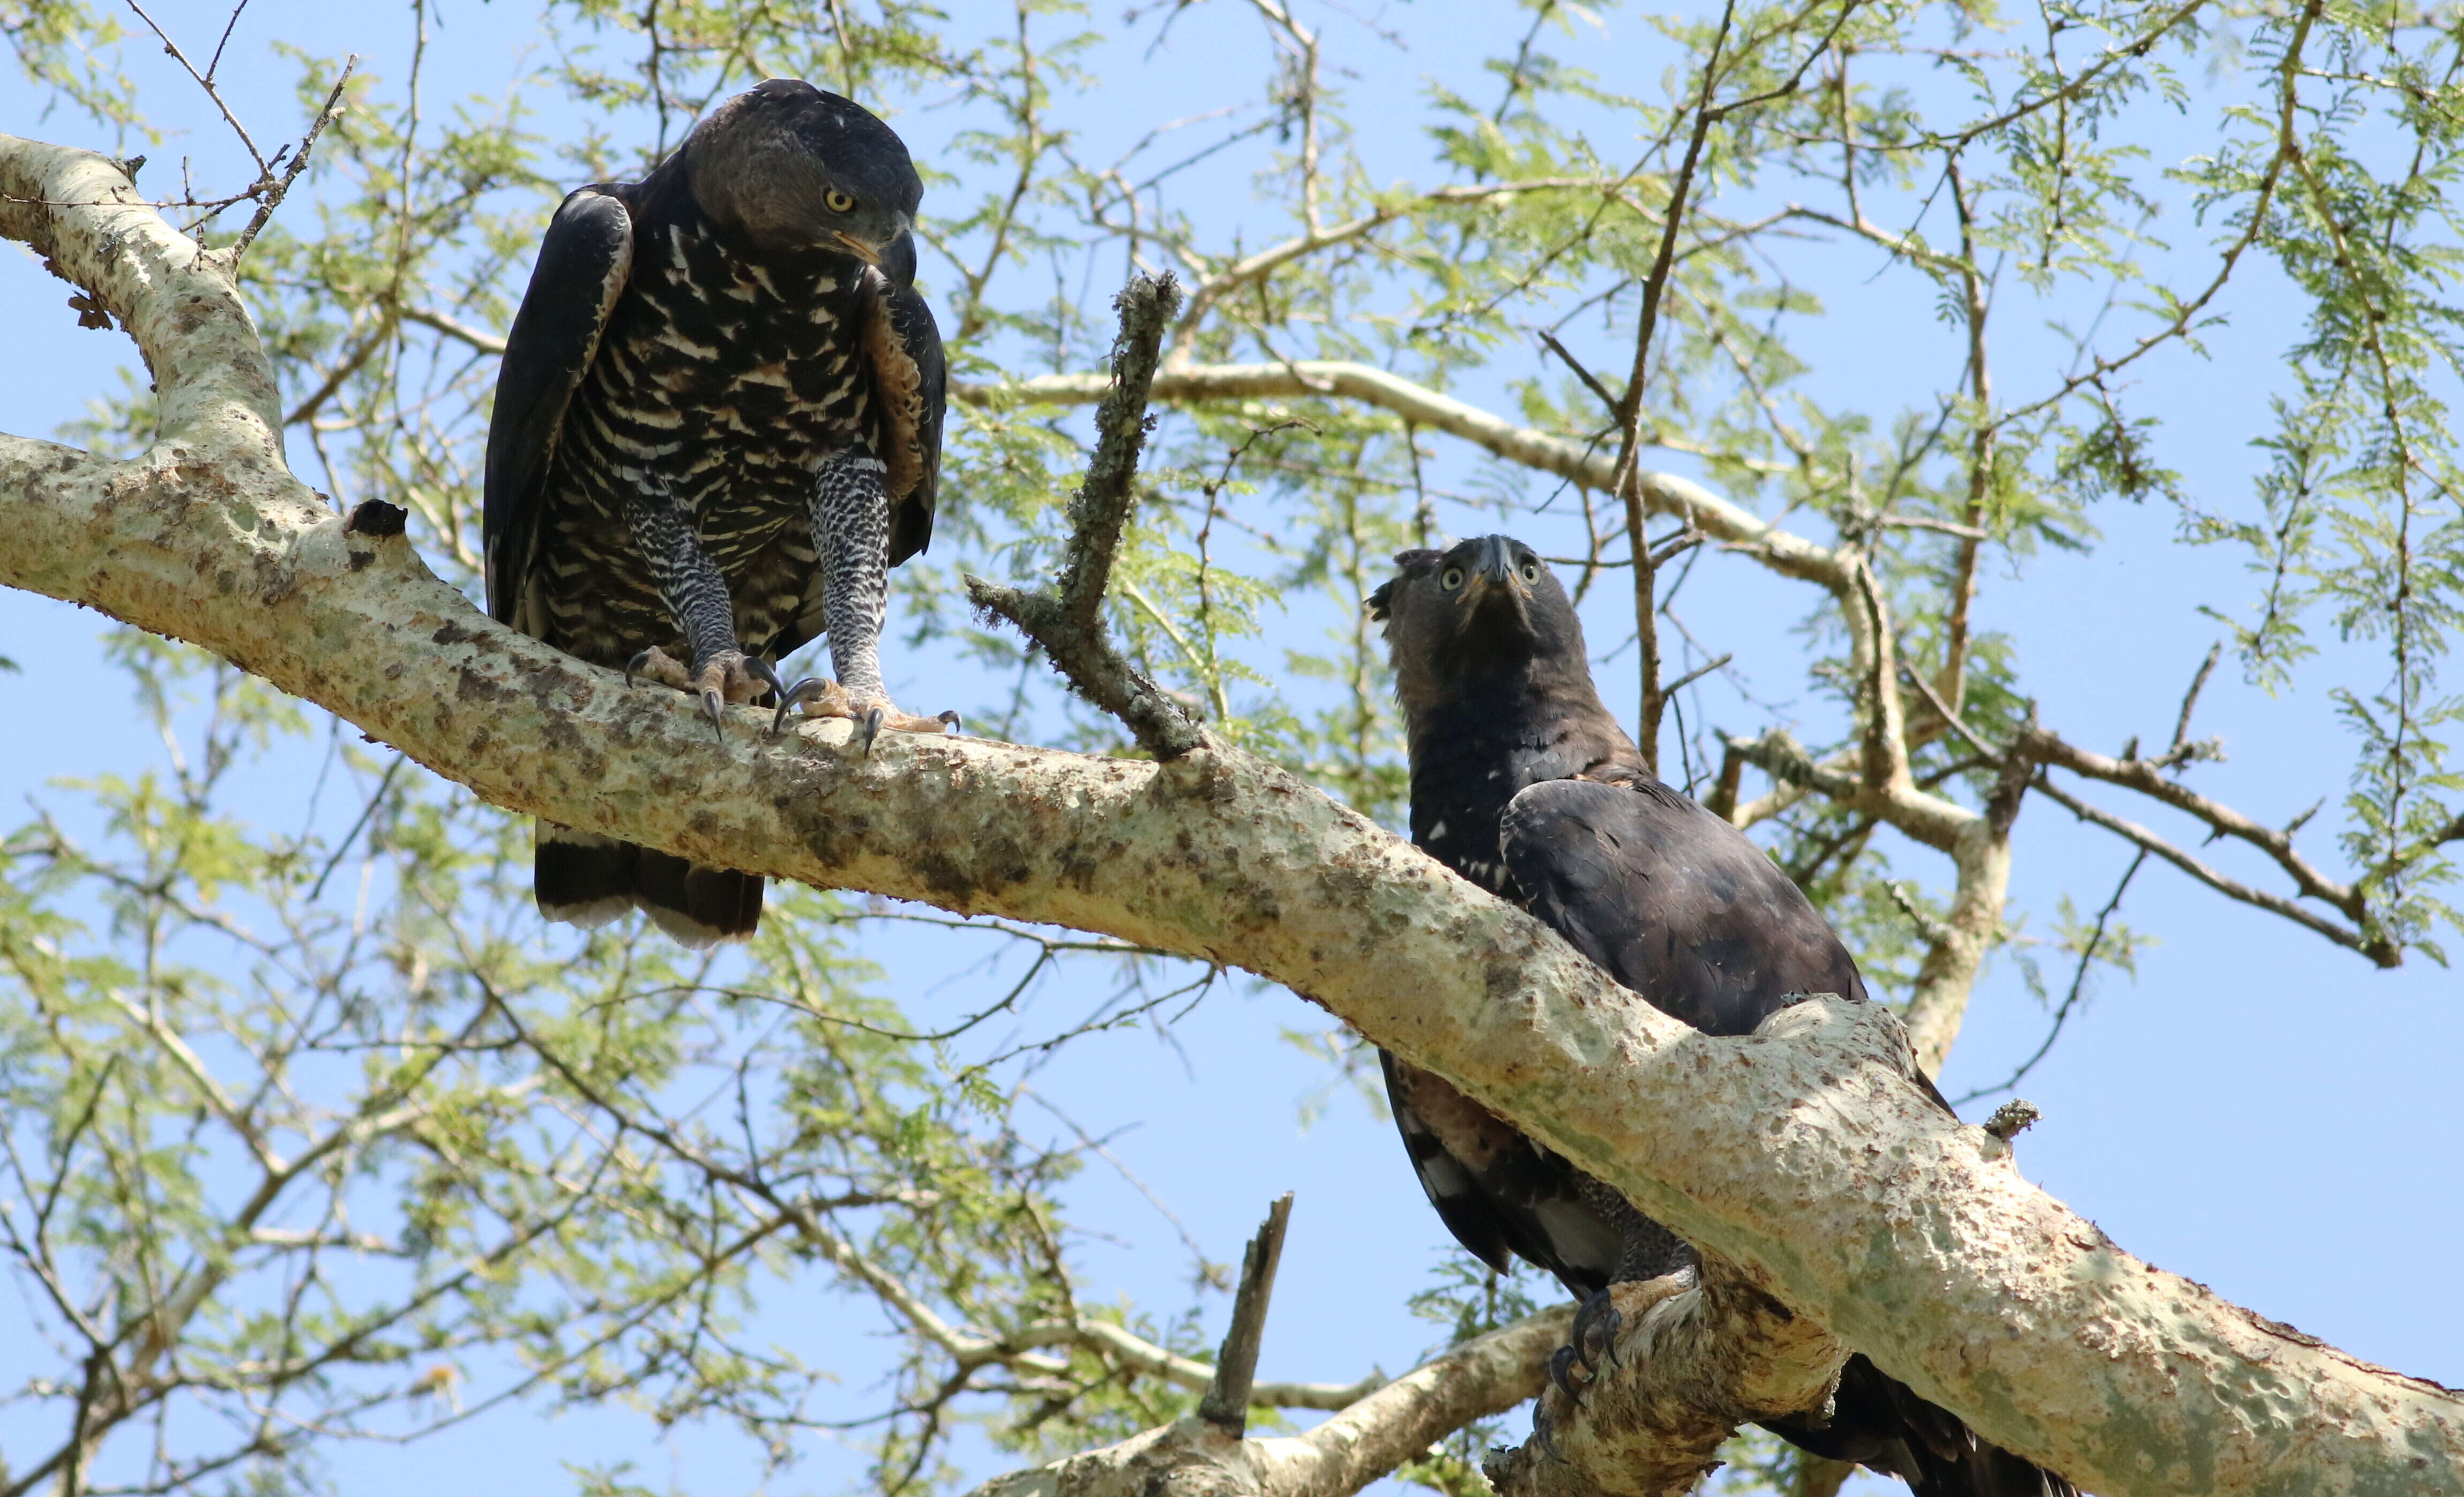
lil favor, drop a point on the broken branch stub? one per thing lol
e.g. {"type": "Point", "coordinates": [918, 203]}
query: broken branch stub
{"type": "Point", "coordinates": [1226, 1404]}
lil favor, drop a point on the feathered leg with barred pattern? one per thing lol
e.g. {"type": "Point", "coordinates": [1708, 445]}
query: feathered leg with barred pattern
{"type": "Point", "coordinates": [852, 534]}
{"type": "Point", "coordinates": [719, 671]}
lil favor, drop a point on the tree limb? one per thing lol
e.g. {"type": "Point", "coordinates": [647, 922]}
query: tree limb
{"type": "Point", "coordinates": [1803, 1153]}
{"type": "Point", "coordinates": [2207, 874]}
{"type": "Point", "coordinates": [1307, 379]}
{"type": "Point", "coordinates": [1069, 621]}
{"type": "Point", "coordinates": [1484, 1375]}
{"type": "Point", "coordinates": [1693, 1360]}
{"type": "Point", "coordinates": [1226, 1404]}
{"type": "Point", "coordinates": [2149, 777]}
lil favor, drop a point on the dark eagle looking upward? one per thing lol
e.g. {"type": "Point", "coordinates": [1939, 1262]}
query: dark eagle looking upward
{"type": "Point", "coordinates": [718, 426]}
{"type": "Point", "coordinates": [1523, 783]}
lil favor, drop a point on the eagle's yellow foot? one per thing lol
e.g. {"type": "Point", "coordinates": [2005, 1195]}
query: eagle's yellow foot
{"type": "Point", "coordinates": [870, 713]}
{"type": "Point", "coordinates": [719, 678]}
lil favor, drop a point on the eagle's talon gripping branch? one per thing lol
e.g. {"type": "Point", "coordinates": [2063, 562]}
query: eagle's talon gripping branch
{"type": "Point", "coordinates": [1593, 1339]}
{"type": "Point", "coordinates": [728, 679]}
{"type": "Point", "coordinates": [821, 698]}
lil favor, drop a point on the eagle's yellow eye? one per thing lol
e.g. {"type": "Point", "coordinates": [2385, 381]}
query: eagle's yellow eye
{"type": "Point", "coordinates": [1531, 573]}
{"type": "Point", "coordinates": [838, 201]}
{"type": "Point", "coordinates": [1452, 580]}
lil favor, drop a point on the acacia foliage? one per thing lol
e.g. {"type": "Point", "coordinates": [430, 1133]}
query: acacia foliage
{"type": "Point", "coordinates": [314, 1135]}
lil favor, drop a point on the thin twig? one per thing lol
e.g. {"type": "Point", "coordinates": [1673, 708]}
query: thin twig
{"type": "Point", "coordinates": [272, 193]}
{"type": "Point", "coordinates": [2229, 888]}
{"type": "Point", "coordinates": [1696, 674]}
{"type": "Point", "coordinates": [206, 82]}
{"type": "Point", "coordinates": [216, 61]}
{"type": "Point", "coordinates": [478, 339]}
{"type": "Point", "coordinates": [1628, 408]}
{"type": "Point", "coordinates": [2149, 777]}
{"type": "Point", "coordinates": [348, 837]}
{"type": "Point", "coordinates": [2190, 697]}
{"type": "Point", "coordinates": [2079, 987]}
{"type": "Point", "coordinates": [1590, 381]}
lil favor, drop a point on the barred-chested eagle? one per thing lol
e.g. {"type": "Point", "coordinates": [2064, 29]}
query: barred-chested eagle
{"type": "Point", "coordinates": [717, 425]}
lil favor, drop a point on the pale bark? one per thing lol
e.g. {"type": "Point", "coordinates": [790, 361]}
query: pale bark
{"type": "Point", "coordinates": [1484, 1375]}
{"type": "Point", "coordinates": [1802, 1154]}
{"type": "Point", "coordinates": [1691, 1363]}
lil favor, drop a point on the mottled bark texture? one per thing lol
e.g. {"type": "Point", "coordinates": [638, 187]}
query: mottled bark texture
{"type": "Point", "coordinates": [1802, 1154]}
{"type": "Point", "coordinates": [1199, 1458]}
{"type": "Point", "coordinates": [1691, 1362]}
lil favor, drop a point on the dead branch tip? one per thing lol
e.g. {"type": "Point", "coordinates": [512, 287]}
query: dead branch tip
{"type": "Point", "coordinates": [1068, 621]}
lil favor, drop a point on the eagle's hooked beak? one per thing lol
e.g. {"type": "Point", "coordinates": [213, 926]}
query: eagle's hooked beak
{"type": "Point", "coordinates": [1496, 565]}
{"type": "Point", "coordinates": [866, 249]}
{"type": "Point", "coordinates": [1493, 571]}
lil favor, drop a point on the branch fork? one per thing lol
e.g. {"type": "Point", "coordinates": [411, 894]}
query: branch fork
{"type": "Point", "coordinates": [1068, 621]}
{"type": "Point", "coordinates": [1940, 1262]}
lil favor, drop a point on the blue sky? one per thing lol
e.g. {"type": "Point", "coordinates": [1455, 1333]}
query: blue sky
{"type": "Point", "coordinates": [2259, 1110]}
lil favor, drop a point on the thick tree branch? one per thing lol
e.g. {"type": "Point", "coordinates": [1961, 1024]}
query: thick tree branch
{"type": "Point", "coordinates": [1803, 1153]}
{"type": "Point", "coordinates": [83, 214]}
{"type": "Point", "coordinates": [1692, 1362]}
{"type": "Point", "coordinates": [1664, 493]}
{"type": "Point", "coordinates": [1924, 817]}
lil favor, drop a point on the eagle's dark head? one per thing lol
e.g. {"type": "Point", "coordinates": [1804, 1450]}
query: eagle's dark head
{"type": "Point", "coordinates": [793, 168]}
{"type": "Point", "coordinates": [1466, 616]}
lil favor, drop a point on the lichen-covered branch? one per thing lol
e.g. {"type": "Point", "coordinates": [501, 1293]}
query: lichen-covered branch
{"type": "Point", "coordinates": [1804, 1155]}
{"type": "Point", "coordinates": [1484, 1375]}
{"type": "Point", "coordinates": [1692, 1361]}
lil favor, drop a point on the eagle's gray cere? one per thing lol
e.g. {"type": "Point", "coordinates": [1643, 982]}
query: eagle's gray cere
{"type": "Point", "coordinates": [1523, 783]}
{"type": "Point", "coordinates": [717, 425]}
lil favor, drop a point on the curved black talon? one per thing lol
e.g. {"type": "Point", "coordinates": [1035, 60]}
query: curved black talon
{"type": "Point", "coordinates": [636, 664]}
{"type": "Point", "coordinates": [1544, 1433]}
{"type": "Point", "coordinates": [1561, 1362]}
{"type": "Point", "coordinates": [714, 706]}
{"type": "Point", "coordinates": [763, 672]}
{"type": "Point", "coordinates": [1594, 1337]}
{"type": "Point", "coordinates": [791, 698]}
{"type": "Point", "coordinates": [952, 718]}
{"type": "Point", "coordinates": [872, 729]}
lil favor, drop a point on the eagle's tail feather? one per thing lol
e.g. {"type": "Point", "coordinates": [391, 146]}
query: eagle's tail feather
{"type": "Point", "coordinates": [584, 879]}
{"type": "Point", "coordinates": [1879, 1421]}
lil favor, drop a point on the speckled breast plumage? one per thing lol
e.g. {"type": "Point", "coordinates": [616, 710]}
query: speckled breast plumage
{"type": "Point", "coordinates": [719, 385]}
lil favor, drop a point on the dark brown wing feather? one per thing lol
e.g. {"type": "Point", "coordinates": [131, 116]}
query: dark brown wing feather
{"type": "Point", "coordinates": [1683, 908]}
{"type": "Point", "coordinates": [584, 263]}
{"type": "Point", "coordinates": [1675, 904]}
{"type": "Point", "coordinates": [1673, 901]}
{"type": "Point", "coordinates": [1496, 1190]}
